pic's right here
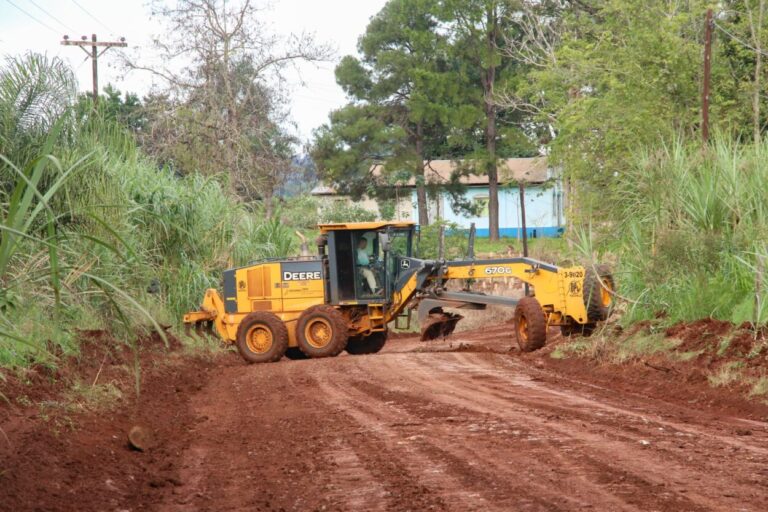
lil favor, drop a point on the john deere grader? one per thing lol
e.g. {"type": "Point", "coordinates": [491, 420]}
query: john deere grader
{"type": "Point", "coordinates": [365, 276]}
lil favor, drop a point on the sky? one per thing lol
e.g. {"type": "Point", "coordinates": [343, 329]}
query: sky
{"type": "Point", "coordinates": [38, 25]}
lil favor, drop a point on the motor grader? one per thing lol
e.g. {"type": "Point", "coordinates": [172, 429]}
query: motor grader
{"type": "Point", "coordinates": [365, 277]}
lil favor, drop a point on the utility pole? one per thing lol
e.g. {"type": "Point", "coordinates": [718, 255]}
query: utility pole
{"type": "Point", "coordinates": [524, 227]}
{"type": "Point", "coordinates": [94, 55]}
{"type": "Point", "coordinates": [707, 77]}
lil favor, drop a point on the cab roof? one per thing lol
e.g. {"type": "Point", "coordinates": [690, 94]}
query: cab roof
{"type": "Point", "coordinates": [368, 226]}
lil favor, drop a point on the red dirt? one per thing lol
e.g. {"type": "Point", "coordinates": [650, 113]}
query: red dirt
{"type": "Point", "coordinates": [462, 424]}
{"type": "Point", "coordinates": [700, 334]}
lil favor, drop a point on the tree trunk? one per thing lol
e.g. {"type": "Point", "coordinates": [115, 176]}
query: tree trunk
{"type": "Point", "coordinates": [489, 79]}
{"type": "Point", "coordinates": [757, 33]}
{"type": "Point", "coordinates": [421, 185]}
{"type": "Point", "coordinates": [493, 174]}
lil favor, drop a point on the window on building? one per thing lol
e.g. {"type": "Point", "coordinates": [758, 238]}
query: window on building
{"type": "Point", "coordinates": [481, 205]}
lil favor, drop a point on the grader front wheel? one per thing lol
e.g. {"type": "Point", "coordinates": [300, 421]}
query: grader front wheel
{"type": "Point", "coordinates": [322, 331]}
{"type": "Point", "coordinates": [262, 337]}
{"type": "Point", "coordinates": [530, 324]}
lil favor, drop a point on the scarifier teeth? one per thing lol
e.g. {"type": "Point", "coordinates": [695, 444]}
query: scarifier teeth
{"type": "Point", "coordinates": [439, 324]}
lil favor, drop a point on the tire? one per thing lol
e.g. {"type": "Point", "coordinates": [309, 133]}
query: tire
{"type": "Point", "coordinates": [530, 324]}
{"type": "Point", "coordinates": [360, 345]}
{"type": "Point", "coordinates": [262, 337]}
{"type": "Point", "coordinates": [322, 331]}
{"type": "Point", "coordinates": [598, 298]}
{"type": "Point", "coordinates": [295, 354]}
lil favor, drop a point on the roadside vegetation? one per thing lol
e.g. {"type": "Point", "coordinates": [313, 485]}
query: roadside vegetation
{"type": "Point", "coordinates": [118, 218]}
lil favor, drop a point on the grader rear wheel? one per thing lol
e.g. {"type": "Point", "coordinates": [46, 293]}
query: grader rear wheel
{"type": "Point", "coordinates": [322, 331]}
{"type": "Point", "coordinates": [530, 324]}
{"type": "Point", "coordinates": [598, 293]}
{"type": "Point", "coordinates": [262, 337]}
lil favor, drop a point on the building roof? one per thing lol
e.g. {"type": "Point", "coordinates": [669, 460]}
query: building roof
{"type": "Point", "coordinates": [531, 170]}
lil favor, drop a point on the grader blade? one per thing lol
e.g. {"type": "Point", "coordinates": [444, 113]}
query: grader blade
{"type": "Point", "coordinates": [438, 324]}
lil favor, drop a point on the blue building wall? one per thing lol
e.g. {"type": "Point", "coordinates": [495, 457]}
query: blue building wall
{"type": "Point", "coordinates": [543, 211]}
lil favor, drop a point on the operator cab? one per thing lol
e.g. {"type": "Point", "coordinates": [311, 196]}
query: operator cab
{"type": "Point", "coordinates": [359, 269]}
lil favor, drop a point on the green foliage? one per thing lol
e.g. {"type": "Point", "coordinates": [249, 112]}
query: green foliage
{"type": "Point", "coordinates": [300, 212]}
{"type": "Point", "coordinates": [402, 87]}
{"type": "Point", "coordinates": [623, 78]}
{"type": "Point", "coordinates": [344, 211]}
{"type": "Point", "coordinates": [35, 94]}
{"type": "Point", "coordinates": [429, 237]}
{"type": "Point", "coordinates": [692, 230]}
{"type": "Point", "coordinates": [86, 233]}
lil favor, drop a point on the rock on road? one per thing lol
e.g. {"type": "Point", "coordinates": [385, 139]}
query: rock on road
{"type": "Point", "coordinates": [459, 431]}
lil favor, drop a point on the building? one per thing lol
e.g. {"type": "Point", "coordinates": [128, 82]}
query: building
{"type": "Point", "coordinates": [543, 197]}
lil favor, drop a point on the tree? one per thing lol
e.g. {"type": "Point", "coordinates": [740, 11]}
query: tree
{"type": "Point", "coordinates": [126, 109]}
{"type": "Point", "coordinates": [346, 149]}
{"type": "Point", "coordinates": [478, 31]}
{"type": "Point", "coordinates": [619, 76]}
{"type": "Point", "coordinates": [36, 92]}
{"type": "Point", "coordinates": [222, 106]}
{"type": "Point", "coordinates": [400, 88]}
{"type": "Point", "coordinates": [741, 44]}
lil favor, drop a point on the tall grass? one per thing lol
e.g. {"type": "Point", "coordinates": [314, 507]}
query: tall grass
{"type": "Point", "coordinates": [692, 232]}
{"type": "Point", "coordinates": [93, 234]}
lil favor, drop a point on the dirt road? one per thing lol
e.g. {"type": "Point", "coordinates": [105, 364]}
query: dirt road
{"type": "Point", "coordinates": [440, 430]}
{"type": "Point", "coordinates": [456, 431]}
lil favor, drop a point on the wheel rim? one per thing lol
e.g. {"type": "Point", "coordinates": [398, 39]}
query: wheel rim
{"type": "Point", "coordinates": [259, 339]}
{"type": "Point", "coordinates": [318, 332]}
{"type": "Point", "coordinates": [606, 291]}
{"type": "Point", "coordinates": [522, 329]}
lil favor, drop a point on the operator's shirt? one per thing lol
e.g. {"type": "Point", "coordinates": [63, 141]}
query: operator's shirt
{"type": "Point", "coordinates": [362, 258]}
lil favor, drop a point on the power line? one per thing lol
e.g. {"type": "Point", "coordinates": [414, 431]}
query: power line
{"type": "Point", "coordinates": [57, 20]}
{"type": "Point", "coordinates": [97, 20]}
{"type": "Point", "coordinates": [737, 39]}
{"type": "Point", "coordinates": [44, 24]}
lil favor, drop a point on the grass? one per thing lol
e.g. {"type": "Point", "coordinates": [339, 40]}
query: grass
{"type": "Point", "coordinates": [759, 387]}
{"type": "Point", "coordinates": [94, 234]}
{"type": "Point", "coordinates": [536, 246]}
{"type": "Point", "coordinates": [93, 395]}
{"type": "Point", "coordinates": [727, 374]}
{"type": "Point", "coordinates": [689, 234]}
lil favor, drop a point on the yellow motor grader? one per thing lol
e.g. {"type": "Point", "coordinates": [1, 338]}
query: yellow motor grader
{"type": "Point", "coordinates": [365, 276]}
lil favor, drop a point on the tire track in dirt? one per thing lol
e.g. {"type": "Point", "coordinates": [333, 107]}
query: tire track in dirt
{"type": "Point", "coordinates": [454, 431]}
{"type": "Point", "coordinates": [407, 474]}
{"type": "Point", "coordinates": [623, 455]}
{"type": "Point", "coordinates": [529, 453]}
{"type": "Point", "coordinates": [475, 462]}
{"type": "Point", "coordinates": [245, 458]}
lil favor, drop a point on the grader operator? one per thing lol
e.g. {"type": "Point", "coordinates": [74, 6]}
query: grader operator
{"type": "Point", "coordinates": [365, 276]}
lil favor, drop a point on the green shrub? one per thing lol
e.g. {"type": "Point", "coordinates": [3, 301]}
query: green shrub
{"type": "Point", "coordinates": [344, 211]}
{"type": "Point", "coordinates": [692, 231]}
{"type": "Point", "coordinates": [456, 241]}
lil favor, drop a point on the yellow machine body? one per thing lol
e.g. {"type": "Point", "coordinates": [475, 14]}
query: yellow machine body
{"type": "Point", "coordinates": [260, 288]}
{"type": "Point", "coordinates": [289, 287]}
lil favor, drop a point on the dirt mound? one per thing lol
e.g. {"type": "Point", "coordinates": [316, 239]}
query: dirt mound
{"type": "Point", "coordinates": [57, 443]}
{"type": "Point", "coordinates": [701, 334]}
{"type": "Point", "coordinates": [101, 359]}
{"type": "Point", "coordinates": [715, 343]}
